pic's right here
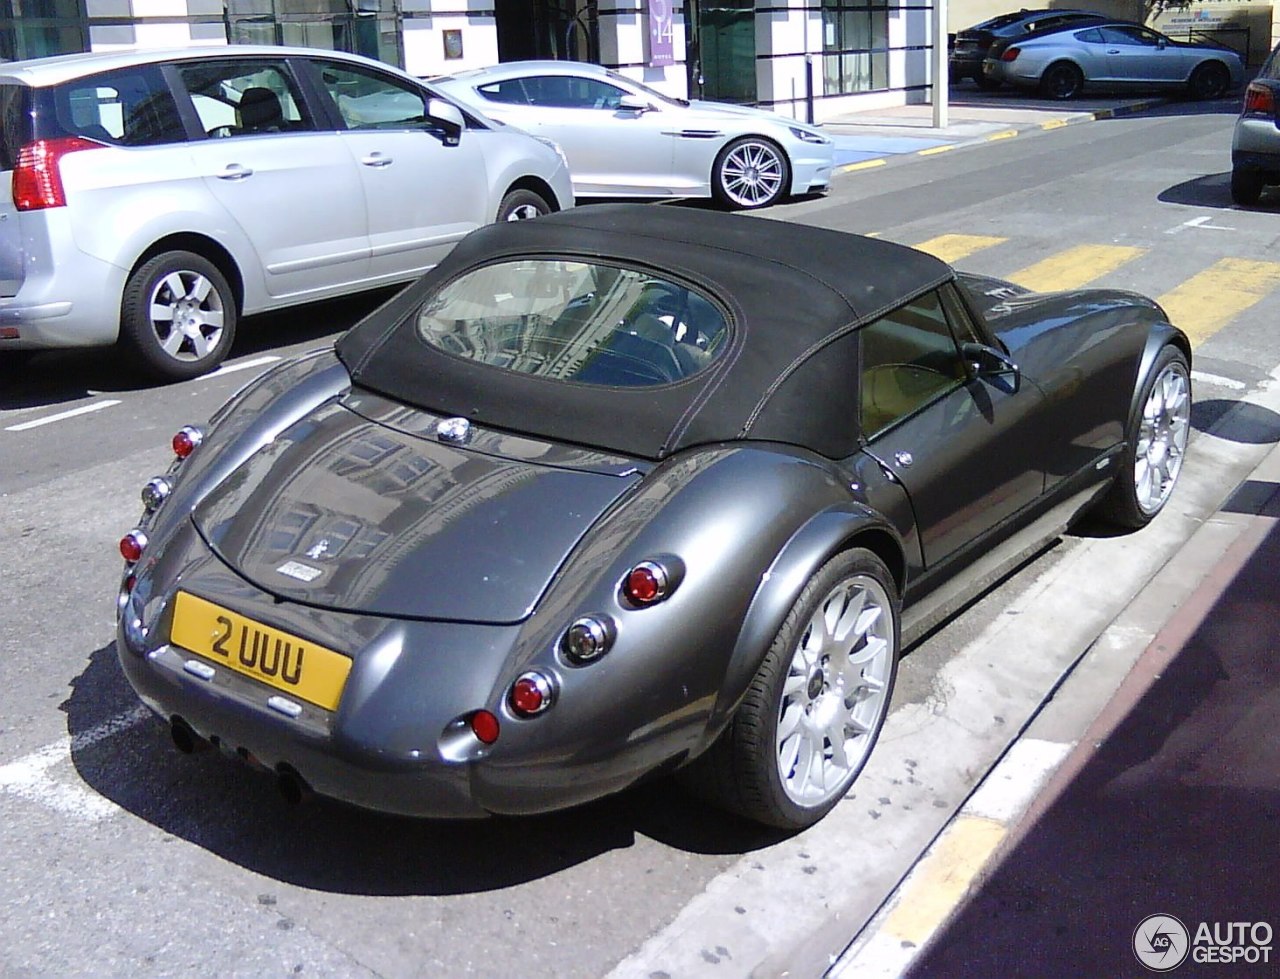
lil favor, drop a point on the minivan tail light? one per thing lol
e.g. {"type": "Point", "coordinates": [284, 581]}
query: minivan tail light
{"type": "Point", "coordinates": [1259, 99]}
{"type": "Point", "coordinates": [37, 182]}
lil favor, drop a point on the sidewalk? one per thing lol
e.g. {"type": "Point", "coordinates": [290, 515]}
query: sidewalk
{"type": "Point", "coordinates": [1168, 804]}
{"type": "Point", "coordinates": [874, 137]}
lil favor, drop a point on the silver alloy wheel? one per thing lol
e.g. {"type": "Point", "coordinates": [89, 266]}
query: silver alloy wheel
{"type": "Point", "coordinates": [523, 212]}
{"type": "Point", "coordinates": [186, 314]}
{"type": "Point", "coordinates": [752, 173]}
{"type": "Point", "coordinates": [1162, 438]}
{"type": "Point", "coordinates": [836, 691]}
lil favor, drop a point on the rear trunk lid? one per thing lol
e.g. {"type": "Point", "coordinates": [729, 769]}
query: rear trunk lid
{"type": "Point", "coordinates": [381, 517]}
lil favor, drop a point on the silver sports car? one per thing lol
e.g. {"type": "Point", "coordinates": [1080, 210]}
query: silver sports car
{"type": "Point", "coordinates": [623, 139]}
{"type": "Point", "coordinates": [1062, 63]}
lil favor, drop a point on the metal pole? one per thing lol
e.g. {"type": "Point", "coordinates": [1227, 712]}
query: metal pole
{"type": "Point", "coordinates": [808, 88]}
{"type": "Point", "coordinates": [940, 93]}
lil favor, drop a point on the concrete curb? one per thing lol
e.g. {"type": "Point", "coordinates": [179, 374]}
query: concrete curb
{"type": "Point", "coordinates": [1013, 131]}
{"type": "Point", "coordinates": [1041, 763]}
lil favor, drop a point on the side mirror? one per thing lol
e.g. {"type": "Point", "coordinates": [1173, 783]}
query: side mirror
{"type": "Point", "coordinates": [992, 365]}
{"type": "Point", "coordinates": [448, 117]}
{"type": "Point", "coordinates": [634, 103]}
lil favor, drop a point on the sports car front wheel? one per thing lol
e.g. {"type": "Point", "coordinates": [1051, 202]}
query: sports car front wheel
{"type": "Point", "coordinates": [1155, 443]}
{"type": "Point", "coordinates": [750, 172]}
{"type": "Point", "coordinates": [817, 703]}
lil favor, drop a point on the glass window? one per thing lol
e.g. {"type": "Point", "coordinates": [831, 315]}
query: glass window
{"type": "Point", "coordinates": [372, 100]}
{"type": "Point", "coordinates": [566, 92]}
{"type": "Point", "coordinates": [131, 107]}
{"type": "Point", "coordinates": [575, 321]}
{"type": "Point", "coordinates": [909, 357]}
{"type": "Point", "coordinates": [38, 29]}
{"type": "Point", "coordinates": [242, 98]}
{"type": "Point", "coordinates": [855, 45]}
{"type": "Point", "coordinates": [1093, 36]}
{"type": "Point", "coordinates": [509, 91]}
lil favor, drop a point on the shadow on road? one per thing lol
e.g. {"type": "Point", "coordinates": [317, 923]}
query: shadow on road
{"type": "Point", "coordinates": [51, 377]}
{"type": "Point", "coordinates": [230, 810]}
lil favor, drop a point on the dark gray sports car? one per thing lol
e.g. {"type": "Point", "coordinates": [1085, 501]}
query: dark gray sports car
{"type": "Point", "coordinates": [626, 490]}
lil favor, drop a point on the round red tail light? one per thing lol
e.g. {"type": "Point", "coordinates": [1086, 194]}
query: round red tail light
{"type": "Point", "coordinates": [132, 545]}
{"type": "Point", "coordinates": [646, 583]}
{"type": "Point", "coordinates": [530, 694]}
{"type": "Point", "coordinates": [484, 726]}
{"type": "Point", "coordinates": [1010, 54]}
{"type": "Point", "coordinates": [187, 440]}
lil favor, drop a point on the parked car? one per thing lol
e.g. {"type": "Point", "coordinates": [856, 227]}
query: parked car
{"type": "Point", "coordinates": [153, 198]}
{"type": "Point", "coordinates": [624, 139]}
{"type": "Point", "coordinates": [1114, 55]}
{"type": "Point", "coordinates": [625, 489]}
{"type": "Point", "coordinates": [1255, 144]}
{"type": "Point", "coordinates": [972, 44]}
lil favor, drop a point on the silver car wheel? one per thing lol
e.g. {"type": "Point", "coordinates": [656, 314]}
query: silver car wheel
{"type": "Point", "coordinates": [836, 691]}
{"type": "Point", "coordinates": [186, 315]}
{"type": "Point", "coordinates": [523, 213]}
{"type": "Point", "coordinates": [1162, 438]}
{"type": "Point", "coordinates": [752, 173]}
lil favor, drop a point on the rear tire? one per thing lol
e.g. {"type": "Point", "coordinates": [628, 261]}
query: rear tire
{"type": "Point", "coordinates": [811, 716]}
{"type": "Point", "coordinates": [521, 205]}
{"type": "Point", "coordinates": [1209, 81]}
{"type": "Point", "coordinates": [1061, 80]}
{"type": "Point", "coordinates": [1155, 444]}
{"type": "Point", "coordinates": [1246, 186]}
{"type": "Point", "coordinates": [178, 316]}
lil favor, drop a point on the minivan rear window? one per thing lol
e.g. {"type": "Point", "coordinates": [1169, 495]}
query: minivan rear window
{"type": "Point", "coordinates": [15, 123]}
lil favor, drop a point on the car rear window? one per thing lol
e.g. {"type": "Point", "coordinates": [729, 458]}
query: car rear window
{"type": "Point", "coordinates": [575, 321]}
{"type": "Point", "coordinates": [14, 123]}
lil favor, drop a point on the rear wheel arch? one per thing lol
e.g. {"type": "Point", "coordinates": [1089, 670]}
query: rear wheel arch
{"type": "Point", "coordinates": [208, 249]}
{"type": "Point", "coordinates": [826, 535]}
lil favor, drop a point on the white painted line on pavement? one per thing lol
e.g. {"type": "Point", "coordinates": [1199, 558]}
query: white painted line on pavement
{"type": "Point", "coordinates": [1218, 380]}
{"type": "Point", "coordinates": [942, 878]}
{"type": "Point", "coordinates": [29, 777]}
{"type": "Point", "coordinates": [63, 415]}
{"type": "Point", "coordinates": [243, 366]}
{"type": "Point", "coordinates": [1200, 222]}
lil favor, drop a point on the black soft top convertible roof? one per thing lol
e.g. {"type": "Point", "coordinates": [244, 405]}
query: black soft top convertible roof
{"type": "Point", "coordinates": [794, 293]}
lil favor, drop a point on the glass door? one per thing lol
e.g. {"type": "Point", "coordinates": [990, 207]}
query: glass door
{"type": "Point", "coordinates": [721, 49]}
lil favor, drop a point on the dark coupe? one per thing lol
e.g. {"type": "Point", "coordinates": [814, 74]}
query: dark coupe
{"type": "Point", "coordinates": [628, 490]}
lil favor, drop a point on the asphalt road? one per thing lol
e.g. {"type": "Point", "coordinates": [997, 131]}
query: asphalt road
{"type": "Point", "coordinates": [123, 857]}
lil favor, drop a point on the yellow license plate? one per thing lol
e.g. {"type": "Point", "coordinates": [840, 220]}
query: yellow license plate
{"type": "Point", "coordinates": [280, 659]}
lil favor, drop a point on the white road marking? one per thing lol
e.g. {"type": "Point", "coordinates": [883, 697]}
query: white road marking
{"type": "Point", "coordinates": [243, 366]}
{"type": "Point", "coordinates": [63, 415]}
{"type": "Point", "coordinates": [1218, 380]}
{"type": "Point", "coordinates": [1200, 222]}
{"type": "Point", "coordinates": [30, 777]}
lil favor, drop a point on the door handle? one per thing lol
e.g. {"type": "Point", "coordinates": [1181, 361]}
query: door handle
{"type": "Point", "coordinates": [376, 160]}
{"type": "Point", "coordinates": [234, 171]}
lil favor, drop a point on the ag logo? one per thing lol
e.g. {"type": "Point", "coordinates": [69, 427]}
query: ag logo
{"type": "Point", "coordinates": [1161, 942]}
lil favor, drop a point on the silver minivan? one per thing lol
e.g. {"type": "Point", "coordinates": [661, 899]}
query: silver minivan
{"type": "Point", "coordinates": [151, 198]}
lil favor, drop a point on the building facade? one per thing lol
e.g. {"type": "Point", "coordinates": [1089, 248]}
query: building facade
{"type": "Point", "coordinates": [800, 57]}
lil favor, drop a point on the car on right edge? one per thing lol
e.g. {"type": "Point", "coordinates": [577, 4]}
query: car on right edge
{"type": "Point", "coordinates": [1255, 145]}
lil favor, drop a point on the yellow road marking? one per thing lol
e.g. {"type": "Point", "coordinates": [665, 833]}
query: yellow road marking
{"type": "Point", "coordinates": [1206, 302]}
{"type": "Point", "coordinates": [1053, 124]}
{"type": "Point", "coordinates": [1005, 134]}
{"type": "Point", "coordinates": [936, 149]}
{"type": "Point", "coordinates": [864, 165]}
{"type": "Point", "coordinates": [952, 248]}
{"type": "Point", "coordinates": [1075, 267]}
{"type": "Point", "coordinates": [941, 880]}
